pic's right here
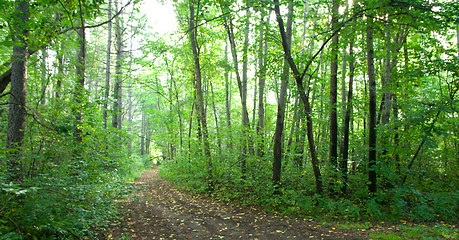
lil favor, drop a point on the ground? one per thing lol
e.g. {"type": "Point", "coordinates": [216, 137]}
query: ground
{"type": "Point", "coordinates": [157, 210]}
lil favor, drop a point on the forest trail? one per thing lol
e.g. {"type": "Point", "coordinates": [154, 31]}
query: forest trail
{"type": "Point", "coordinates": [159, 211]}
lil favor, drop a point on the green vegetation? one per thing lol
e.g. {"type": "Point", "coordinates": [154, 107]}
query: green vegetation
{"type": "Point", "coordinates": [331, 110]}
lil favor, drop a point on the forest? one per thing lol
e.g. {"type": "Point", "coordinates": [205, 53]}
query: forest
{"type": "Point", "coordinates": [330, 109]}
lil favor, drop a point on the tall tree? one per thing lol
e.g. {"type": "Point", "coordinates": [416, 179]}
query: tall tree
{"type": "Point", "coordinates": [372, 106]}
{"type": "Point", "coordinates": [107, 64]}
{"type": "Point", "coordinates": [80, 76]}
{"type": "Point", "coordinates": [228, 99]}
{"type": "Point", "coordinates": [118, 90]}
{"type": "Point", "coordinates": [304, 98]}
{"type": "Point", "coordinates": [344, 150]}
{"type": "Point", "coordinates": [198, 81]}
{"type": "Point", "coordinates": [44, 75]}
{"type": "Point", "coordinates": [277, 148]}
{"type": "Point", "coordinates": [17, 102]}
{"type": "Point", "coordinates": [333, 152]}
{"type": "Point", "coordinates": [262, 63]}
{"type": "Point", "coordinates": [242, 83]}
{"type": "Point", "coordinates": [143, 128]}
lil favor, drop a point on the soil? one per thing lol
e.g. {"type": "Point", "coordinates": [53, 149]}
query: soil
{"type": "Point", "coordinates": [157, 210]}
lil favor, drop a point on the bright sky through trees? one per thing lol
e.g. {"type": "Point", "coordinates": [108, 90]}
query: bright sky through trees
{"type": "Point", "coordinates": [161, 15]}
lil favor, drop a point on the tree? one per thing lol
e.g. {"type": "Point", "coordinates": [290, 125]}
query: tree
{"type": "Point", "coordinates": [372, 106]}
{"type": "Point", "coordinates": [118, 90]}
{"type": "Point", "coordinates": [242, 83]}
{"type": "Point", "coordinates": [333, 152]}
{"type": "Point", "coordinates": [304, 98]}
{"type": "Point", "coordinates": [277, 148]}
{"type": "Point", "coordinates": [107, 65]}
{"type": "Point", "coordinates": [17, 104]}
{"type": "Point", "coordinates": [344, 150]}
{"type": "Point", "coordinates": [262, 62]}
{"type": "Point", "coordinates": [198, 80]}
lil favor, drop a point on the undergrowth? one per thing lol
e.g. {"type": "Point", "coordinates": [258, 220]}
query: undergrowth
{"type": "Point", "coordinates": [297, 198]}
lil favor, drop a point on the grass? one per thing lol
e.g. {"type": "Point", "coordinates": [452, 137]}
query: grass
{"type": "Point", "coordinates": [418, 231]}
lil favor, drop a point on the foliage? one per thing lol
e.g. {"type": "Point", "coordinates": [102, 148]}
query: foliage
{"type": "Point", "coordinates": [68, 186]}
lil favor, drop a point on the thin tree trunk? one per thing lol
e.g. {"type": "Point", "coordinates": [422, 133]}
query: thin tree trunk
{"type": "Point", "coordinates": [118, 90]}
{"type": "Point", "coordinates": [304, 98]}
{"type": "Point", "coordinates": [143, 130]}
{"type": "Point", "coordinates": [60, 70]}
{"type": "Point", "coordinates": [80, 75]}
{"type": "Point", "coordinates": [200, 103]}
{"type": "Point", "coordinates": [372, 107]}
{"type": "Point", "coordinates": [228, 100]}
{"type": "Point", "coordinates": [241, 85]}
{"type": "Point", "coordinates": [344, 150]}
{"type": "Point", "coordinates": [277, 148]}
{"type": "Point", "coordinates": [343, 75]}
{"type": "Point", "coordinates": [246, 148]}
{"type": "Point", "coordinates": [107, 66]}
{"type": "Point", "coordinates": [178, 109]}
{"type": "Point", "coordinates": [219, 141]}
{"type": "Point", "coordinates": [44, 74]}
{"type": "Point", "coordinates": [263, 53]}
{"type": "Point", "coordinates": [130, 95]}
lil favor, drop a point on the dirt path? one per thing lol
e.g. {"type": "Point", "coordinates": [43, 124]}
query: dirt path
{"type": "Point", "coordinates": [159, 211]}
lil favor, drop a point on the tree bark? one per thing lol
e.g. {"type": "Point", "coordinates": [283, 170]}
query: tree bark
{"type": "Point", "coordinates": [228, 100]}
{"type": "Point", "coordinates": [277, 148]}
{"type": "Point", "coordinates": [333, 151]}
{"type": "Point", "coordinates": [130, 118]}
{"type": "Point", "coordinates": [107, 65]}
{"type": "Point", "coordinates": [372, 107]}
{"type": "Point", "coordinates": [200, 103]}
{"type": "Point", "coordinates": [242, 84]}
{"type": "Point", "coordinates": [17, 101]}
{"type": "Point", "coordinates": [304, 98]}
{"type": "Point", "coordinates": [143, 130]}
{"type": "Point", "coordinates": [344, 151]}
{"type": "Point", "coordinates": [118, 90]}
{"type": "Point", "coordinates": [80, 75]}
{"type": "Point", "coordinates": [219, 141]}
{"type": "Point", "coordinates": [44, 75]}
{"type": "Point", "coordinates": [263, 53]}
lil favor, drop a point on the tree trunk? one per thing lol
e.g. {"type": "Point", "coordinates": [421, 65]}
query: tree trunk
{"type": "Point", "coordinates": [143, 130]}
{"type": "Point", "coordinates": [219, 142]}
{"type": "Point", "coordinates": [118, 90]}
{"type": "Point", "coordinates": [242, 84]}
{"type": "Point", "coordinates": [261, 88]}
{"type": "Point", "coordinates": [344, 150]}
{"type": "Point", "coordinates": [277, 148]}
{"type": "Point", "coordinates": [130, 97]}
{"type": "Point", "coordinates": [303, 96]}
{"type": "Point", "coordinates": [372, 107]}
{"type": "Point", "coordinates": [80, 75]}
{"type": "Point", "coordinates": [333, 151]}
{"type": "Point", "coordinates": [228, 100]}
{"type": "Point", "coordinates": [107, 66]}
{"type": "Point", "coordinates": [44, 74]}
{"type": "Point", "coordinates": [17, 101]}
{"type": "Point", "coordinates": [245, 117]}
{"type": "Point", "coordinates": [200, 103]}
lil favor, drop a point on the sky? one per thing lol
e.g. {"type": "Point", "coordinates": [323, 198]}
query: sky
{"type": "Point", "coordinates": [161, 15]}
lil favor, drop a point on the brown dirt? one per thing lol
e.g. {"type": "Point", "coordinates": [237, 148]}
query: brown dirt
{"type": "Point", "coordinates": [157, 210]}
